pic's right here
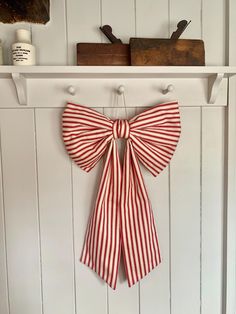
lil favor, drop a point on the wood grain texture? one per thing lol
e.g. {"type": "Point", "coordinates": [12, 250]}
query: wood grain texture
{"type": "Point", "coordinates": [32, 11]}
{"type": "Point", "coordinates": [165, 52]}
{"type": "Point", "coordinates": [21, 212]}
{"type": "Point", "coordinates": [103, 54]}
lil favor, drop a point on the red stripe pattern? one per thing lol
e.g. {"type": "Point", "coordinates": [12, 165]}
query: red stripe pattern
{"type": "Point", "coordinates": [122, 221]}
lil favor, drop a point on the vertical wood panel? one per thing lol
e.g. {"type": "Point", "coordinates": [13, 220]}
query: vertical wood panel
{"type": "Point", "coordinates": [83, 20]}
{"type": "Point", "coordinates": [7, 35]}
{"type": "Point", "coordinates": [230, 215]}
{"type": "Point", "coordinates": [4, 304]}
{"type": "Point", "coordinates": [19, 175]}
{"type": "Point", "coordinates": [121, 16]}
{"type": "Point", "coordinates": [85, 188]}
{"type": "Point", "coordinates": [123, 300]}
{"type": "Point", "coordinates": [152, 18]}
{"type": "Point", "coordinates": [155, 288]}
{"type": "Point", "coordinates": [188, 10]}
{"type": "Point", "coordinates": [55, 205]}
{"type": "Point", "coordinates": [185, 217]}
{"type": "Point", "coordinates": [212, 208]}
{"type": "Point", "coordinates": [214, 31]}
{"type": "Point", "coordinates": [51, 39]}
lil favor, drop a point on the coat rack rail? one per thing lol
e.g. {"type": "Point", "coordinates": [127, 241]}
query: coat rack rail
{"type": "Point", "coordinates": [20, 75]}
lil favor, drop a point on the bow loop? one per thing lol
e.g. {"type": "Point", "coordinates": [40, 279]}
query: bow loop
{"type": "Point", "coordinates": [86, 134]}
{"type": "Point", "coordinates": [155, 135]}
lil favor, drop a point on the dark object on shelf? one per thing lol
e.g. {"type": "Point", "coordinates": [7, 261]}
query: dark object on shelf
{"type": "Point", "coordinates": [181, 26]}
{"type": "Point", "coordinates": [32, 11]}
{"type": "Point", "coordinates": [107, 31]}
{"type": "Point", "coordinates": [167, 52]}
{"type": "Point", "coordinates": [115, 53]}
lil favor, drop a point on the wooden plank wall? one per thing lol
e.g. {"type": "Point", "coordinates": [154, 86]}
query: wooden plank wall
{"type": "Point", "coordinates": [45, 200]}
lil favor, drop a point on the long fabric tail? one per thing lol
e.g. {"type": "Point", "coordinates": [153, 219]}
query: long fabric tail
{"type": "Point", "coordinates": [140, 244]}
{"type": "Point", "coordinates": [102, 244]}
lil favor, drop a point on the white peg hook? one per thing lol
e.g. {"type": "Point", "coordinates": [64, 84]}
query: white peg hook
{"type": "Point", "coordinates": [170, 88]}
{"type": "Point", "coordinates": [121, 89]}
{"type": "Point", "coordinates": [71, 90]}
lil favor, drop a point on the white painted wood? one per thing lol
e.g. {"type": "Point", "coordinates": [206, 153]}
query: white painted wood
{"type": "Point", "coordinates": [121, 16]}
{"type": "Point", "coordinates": [230, 223]}
{"type": "Point", "coordinates": [230, 45]}
{"type": "Point", "coordinates": [56, 215]}
{"type": "Point", "coordinates": [212, 209]}
{"type": "Point", "coordinates": [123, 300]}
{"type": "Point", "coordinates": [185, 217]}
{"type": "Point", "coordinates": [155, 288]}
{"type": "Point", "coordinates": [83, 21]}
{"type": "Point", "coordinates": [117, 71]}
{"type": "Point", "coordinates": [214, 31]}
{"type": "Point", "coordinates": [21, 213]}
{"type": "Point", "coordinates": [139, 92]}
{"type": "Point", "coordinates": [50, 40]}
{"type": "Point", "coordinates": [21, 87]}
{"type": "Point", "coordinates": [230, 251]}
{"type": "Point", "coordinates": [85, 188]}
{"type": "Point", "coordinates": [7, 35]}
{"type": "Point", "coordinates": [214, 87]}
{"type": "Point", "coordinates": [188, 10]}
{"type": "Point", "coordinates": [152, 18]}
{"type": "Point", "coordinates": [4, 304]}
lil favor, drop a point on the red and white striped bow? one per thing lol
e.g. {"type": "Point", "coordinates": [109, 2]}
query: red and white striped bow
{"type": "Point", "coordinates": [123, 219]}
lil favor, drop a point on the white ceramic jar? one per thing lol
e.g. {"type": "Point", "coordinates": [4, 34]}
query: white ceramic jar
{"type": "Point", "coordinates": [23, 52]}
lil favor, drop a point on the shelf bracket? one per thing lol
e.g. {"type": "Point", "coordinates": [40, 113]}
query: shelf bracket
{"type": "Point", "coordinates": [214, 83]}
{"type": "Point", "coordinates": [21, 87]}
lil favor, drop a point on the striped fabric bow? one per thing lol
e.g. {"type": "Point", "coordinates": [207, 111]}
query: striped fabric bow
{"type": "Point", "coordinates": [122, 221]}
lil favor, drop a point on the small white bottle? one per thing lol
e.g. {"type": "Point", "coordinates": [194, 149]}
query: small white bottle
{"type": "Point", "coordinates": [23, 52]}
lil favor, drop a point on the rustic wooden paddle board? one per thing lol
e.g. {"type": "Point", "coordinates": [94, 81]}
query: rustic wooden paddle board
{"type": "Point", "coordinates": [167, 52]}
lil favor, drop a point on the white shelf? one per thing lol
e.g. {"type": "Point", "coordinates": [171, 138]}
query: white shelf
{"type": "Point", "coordinates": [20, 75]}
{"type": "Point", "coordinates": [115, 71]}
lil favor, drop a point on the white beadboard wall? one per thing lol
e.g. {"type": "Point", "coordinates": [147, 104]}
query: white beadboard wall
{"type": "Point", "coordinates": [45, 199]}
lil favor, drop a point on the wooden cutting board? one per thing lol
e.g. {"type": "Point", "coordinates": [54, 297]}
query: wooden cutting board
{"type": "Point", "coordinates": [167, 52]}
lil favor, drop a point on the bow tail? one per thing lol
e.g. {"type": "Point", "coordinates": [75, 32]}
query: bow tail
{"type": "Point", "coordinates": [101, 251]}
{"type": "Point", "coordinates": [139, 237]}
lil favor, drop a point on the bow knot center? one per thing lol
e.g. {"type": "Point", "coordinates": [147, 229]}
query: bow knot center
{"type": "Point", "coordinates": [121, 129]}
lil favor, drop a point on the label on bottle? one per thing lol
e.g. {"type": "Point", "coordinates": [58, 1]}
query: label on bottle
{"type": "Point", "coordinates": [23, 54]}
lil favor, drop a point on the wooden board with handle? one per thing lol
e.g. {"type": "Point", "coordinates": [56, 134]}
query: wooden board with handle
{"type": "Point", "coordinates": [167, 52]}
